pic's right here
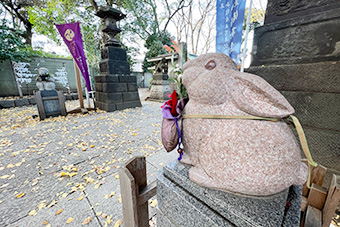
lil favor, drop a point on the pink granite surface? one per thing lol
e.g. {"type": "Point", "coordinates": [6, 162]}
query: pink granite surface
{"type": "Point", "coordinates": [253, 157]}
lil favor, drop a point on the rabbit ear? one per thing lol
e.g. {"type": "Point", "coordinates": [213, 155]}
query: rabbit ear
{"type": "Point", "coordinates": [257, 97]}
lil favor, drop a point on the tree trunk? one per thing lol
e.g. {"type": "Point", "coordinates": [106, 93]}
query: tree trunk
{"type": "Point", "coordinates": [28, 34]}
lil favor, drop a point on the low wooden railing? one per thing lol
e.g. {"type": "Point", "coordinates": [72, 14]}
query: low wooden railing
{"type": "Point", "coordinates": [136, 192]}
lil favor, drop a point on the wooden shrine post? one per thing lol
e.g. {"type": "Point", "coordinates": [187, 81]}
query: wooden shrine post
{"type": "Point", "coordinates": [79, 89]}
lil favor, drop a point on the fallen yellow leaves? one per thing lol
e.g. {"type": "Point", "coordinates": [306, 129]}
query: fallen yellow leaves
{"type": "Point", "coordinates": [32, 213]}
{"type": "Point", "coordinates": [35, 181]}
{"type": "Point", "coordinates": [68, 174]}
{"type": "Point", "coordinates": [41, 205]}
{"type": "Point", "coordinates": [20, 195]}
{"type": "Point", "coordinates": [45, 222]}
{"type": "Point", "coordinates": [153, 202]}
{"type": "Point", "coordinates": [120, 198]}
{"type": "Point", "coordinates": [97, 186]}
{"type": "Point", "coordinates": [118, 223]}
{"type": "Point", "coordinates": [64, 195]}
{"type": "Point", "coordinates": [69, 220]}
{"type": "Point", "coordinates": [110, 195]}
{"type": "Point", "coordinates": [52, 204]}
{"type": "Point", "coordinates": [4, 176]}
{"type": "Point", "coordinates": [59, 211]}
{"type": "Point", "coordinates": [80, 198]}
{"type": "Point", "coordinates": [4, 185]}
{"type": "Point", "coordinates": [87, 220]}
{"type": "Point", "coordinates": [10, 165]}
{"type": "Point", "coordinates": [108, 220]}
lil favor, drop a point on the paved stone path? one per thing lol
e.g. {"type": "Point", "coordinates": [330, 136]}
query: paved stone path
{"type": "Point", "coordinates": [69, 165]}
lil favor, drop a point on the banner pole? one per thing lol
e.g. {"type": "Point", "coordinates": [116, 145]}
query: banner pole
{"type": "Point", "coordinates": [80, 92]}
{"type": "Point", "coordinates": [244, 52]}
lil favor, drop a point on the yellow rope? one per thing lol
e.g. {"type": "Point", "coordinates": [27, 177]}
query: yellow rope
{"type": "Point", "coordinates": [305, 148]}
{"type": "Point", "coordinates": [244, 117]}
{"type": "Point", "coordinates": [298, 127]}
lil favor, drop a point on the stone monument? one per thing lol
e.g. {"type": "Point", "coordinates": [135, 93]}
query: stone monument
{"type": "Point", "coordinates": [160, 85]}
{"type": "Point", "coordinates": [298, 52]}
{"type": "Point", "coordinates": [44, 81]}
{"type": "Point", "coordinates": [115, 88]}
{"type": "Point", "coordinates": [50, 103]}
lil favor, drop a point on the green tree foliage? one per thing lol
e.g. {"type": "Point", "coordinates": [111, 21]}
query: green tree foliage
{"type": "Point", "coordinates": [18, 10]}
{"type": "Point", "coordinates": [142, 21]}
{"type": "Point", "coordinates": [154, 43]}
{"type": "Point", "coordinates": [12, 46]}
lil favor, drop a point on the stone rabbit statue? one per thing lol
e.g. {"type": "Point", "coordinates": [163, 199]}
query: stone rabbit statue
{"type": "Point", "coordinates": [253, 157]}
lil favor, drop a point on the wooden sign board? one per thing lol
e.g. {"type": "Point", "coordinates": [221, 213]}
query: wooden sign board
{"type": "Point", "coordinates": [50, 103]}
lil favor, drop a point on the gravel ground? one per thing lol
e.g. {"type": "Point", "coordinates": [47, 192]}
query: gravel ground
{"type": "Point", "coordinates": [64, 170]}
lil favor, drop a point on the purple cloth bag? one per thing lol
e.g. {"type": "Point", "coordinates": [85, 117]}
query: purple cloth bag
{"type": "Point", "coordinates": [172, 126]}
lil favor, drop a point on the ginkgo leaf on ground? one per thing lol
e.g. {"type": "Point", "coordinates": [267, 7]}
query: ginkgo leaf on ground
{"type": "Point", "coordinates": [4, 185]}
{"type": "Point", "coordinates": [59, 211]}
{"type": "Point", "coordinates": [69, 220]}
{"type": "Point", "coordinates": [32, 213]}
{"type": "Point", "coordinates": [87, 220]}
{"type": "Point", "coordinates": [118, 223]}
{"type": "Point", "coordinates": [20, 195]}
{"type": "Point", "coordinates": [153, 202]}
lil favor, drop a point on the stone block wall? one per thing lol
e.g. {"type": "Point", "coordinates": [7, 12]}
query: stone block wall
{"type": "Point", "coordinates": [298, 52]}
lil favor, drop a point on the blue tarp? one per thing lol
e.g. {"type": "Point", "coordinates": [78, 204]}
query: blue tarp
{"type": "Point", "coordinates": [229, 26]}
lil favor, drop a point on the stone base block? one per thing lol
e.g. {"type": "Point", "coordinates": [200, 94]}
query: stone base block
{"type": "Point", "coordinates": [116, 92]}
{"type": "Point", "coordinates": [183, 203]}
{"type": "Point", "coordinates": [179, 208]}
{"type": "Point", "coordinates": [21, 102]}
{"type": "Point", "coordinates": [7, 103]}
{"type": "Point", "coordinates": [130, 104]}
{"type": "Point", "coordinates": [160, 91]}
{"type": "Point", "coordinates": [32, 101]}
{"type": "Point", "coordinates": [106, 106]}
{"type": "Point", "coordinates": [309, 38]}
{"type": "Point", "coordinates": [110, 107]}
{"type": "Point", "coordinates": [313, 77]}
{"type": "Point", "coordinates": [113, 66]}
{"type": "Point", "coordinates": [114, 53]}
{"type": "Point", "coordinates": [112, 78]}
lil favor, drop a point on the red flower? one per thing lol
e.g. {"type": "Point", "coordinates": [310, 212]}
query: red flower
{"type": "Point", "coordinates": [172, 103]}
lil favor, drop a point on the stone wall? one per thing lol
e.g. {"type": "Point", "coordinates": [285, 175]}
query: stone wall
{"type": "Point", "coordinates": [61, 69]}
{"type": "Point", "coordinates": [298, 52]}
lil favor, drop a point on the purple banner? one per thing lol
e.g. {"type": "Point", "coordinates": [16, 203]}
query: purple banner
{"type": "Point", "coordinates": [72, 37]}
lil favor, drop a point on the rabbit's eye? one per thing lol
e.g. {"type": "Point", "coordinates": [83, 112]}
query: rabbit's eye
{"type": "Point", "coordinates": [210, 65]}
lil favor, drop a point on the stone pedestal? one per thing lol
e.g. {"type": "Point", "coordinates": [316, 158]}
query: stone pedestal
{"type": "Point", "coordinates": [183, 203]}
{"type": "Point", "coordinates": [115, 88]}
{"type": "Point", "coordinates": [160, 89]}
{"type": "Point", "coordinates": [298, 52]}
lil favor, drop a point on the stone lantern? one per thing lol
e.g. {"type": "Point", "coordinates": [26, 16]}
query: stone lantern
{"type": "Point", "coordinates": [110, 16]}
{"type": "Point", "coordinates": [115, 88]}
